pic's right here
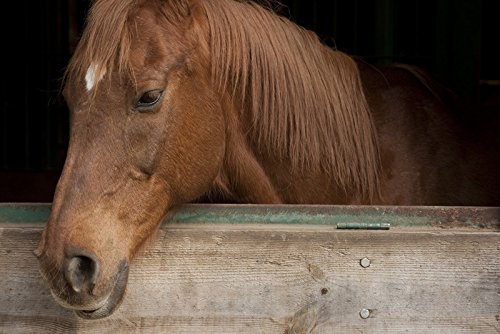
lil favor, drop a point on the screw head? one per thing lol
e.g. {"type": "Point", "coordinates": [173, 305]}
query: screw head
{"type": "Point", "coordinates": [364, 313]}
{"type": "Point", "coordinates": [365, 262]}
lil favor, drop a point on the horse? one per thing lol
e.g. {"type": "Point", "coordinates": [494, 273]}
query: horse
{"type": "Point", "coordinates": [182, 101]}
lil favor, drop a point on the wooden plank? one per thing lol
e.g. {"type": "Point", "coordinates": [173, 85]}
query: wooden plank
{"type": "Point", "coordinates": [255, 277]}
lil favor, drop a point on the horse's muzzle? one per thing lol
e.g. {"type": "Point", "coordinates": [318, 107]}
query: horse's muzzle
{"type": "Point", "coordinates": [111, 303]}
{"type": "Point", "coordinates": [74, 285]}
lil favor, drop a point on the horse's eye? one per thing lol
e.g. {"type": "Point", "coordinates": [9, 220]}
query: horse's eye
{"type": "Point", "coordinates": [149, 99]}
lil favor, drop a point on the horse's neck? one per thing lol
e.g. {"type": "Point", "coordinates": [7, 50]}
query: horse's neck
{"type": "Point", "coordinates": [253, 175]}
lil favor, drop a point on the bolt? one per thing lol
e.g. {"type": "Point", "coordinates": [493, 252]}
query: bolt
{"type": "Point", "coordinates": [364, 313]}
{"type": "Point", "coordinates": [365, 262]}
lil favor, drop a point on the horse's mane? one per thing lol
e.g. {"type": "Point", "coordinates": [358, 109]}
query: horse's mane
{"type": "Point", "coordinates": [305, 99]}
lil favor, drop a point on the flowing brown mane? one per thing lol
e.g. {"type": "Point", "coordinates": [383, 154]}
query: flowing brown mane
{"type": "Point", "coordinates": [305, 99]}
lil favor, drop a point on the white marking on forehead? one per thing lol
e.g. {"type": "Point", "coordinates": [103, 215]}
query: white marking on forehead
{"type": "Point", "coordinates": [92, 77]}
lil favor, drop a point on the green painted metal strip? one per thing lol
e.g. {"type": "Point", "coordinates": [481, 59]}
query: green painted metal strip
{"type": "Point", "coordinates": [24, 213]}
{"type": "Point", "coordinates": [357, 217]}
{"type": "Point", "coordinates": [442, 217]}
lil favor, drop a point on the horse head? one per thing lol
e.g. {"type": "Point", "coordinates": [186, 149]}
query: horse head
{"type": "Point", "coordinates": [144, 122]}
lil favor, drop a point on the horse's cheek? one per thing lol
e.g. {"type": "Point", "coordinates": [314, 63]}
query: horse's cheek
{"type": "Point", "coordinates": [195, 144]}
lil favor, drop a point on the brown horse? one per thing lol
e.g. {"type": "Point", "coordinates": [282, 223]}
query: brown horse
{"type": "Point", "coordinates": [176, 101]}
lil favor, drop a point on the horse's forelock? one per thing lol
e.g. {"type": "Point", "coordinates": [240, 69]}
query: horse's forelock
{"type": "Point", "coordinates": [105, 44]}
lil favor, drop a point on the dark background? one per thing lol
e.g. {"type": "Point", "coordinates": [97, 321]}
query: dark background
{"type": "Point", "coordinates": [455, 39]}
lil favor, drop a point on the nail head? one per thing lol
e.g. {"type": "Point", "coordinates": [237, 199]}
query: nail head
{"type": "Point", "coordinates": [365, 262]}
{"type": "Point", "coordinates": [364, 313]}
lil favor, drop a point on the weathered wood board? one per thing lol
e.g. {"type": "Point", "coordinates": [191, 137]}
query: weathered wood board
{"type": "Point", "coordinates": [286, 269]}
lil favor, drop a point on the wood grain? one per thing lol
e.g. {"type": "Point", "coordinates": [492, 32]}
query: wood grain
{"type": "Point", "coordinates": [258, 278]}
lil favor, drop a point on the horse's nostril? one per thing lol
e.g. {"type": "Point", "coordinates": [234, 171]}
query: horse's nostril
{"type": "Point", "coordinates": [81, 273]}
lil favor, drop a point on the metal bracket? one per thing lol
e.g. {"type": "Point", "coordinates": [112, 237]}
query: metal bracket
{"type": "Point", "coordinates": [363, 226]}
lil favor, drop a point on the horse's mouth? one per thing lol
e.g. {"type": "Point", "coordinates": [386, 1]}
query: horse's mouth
{"type": "Point", "coordinates": [113, 301]}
